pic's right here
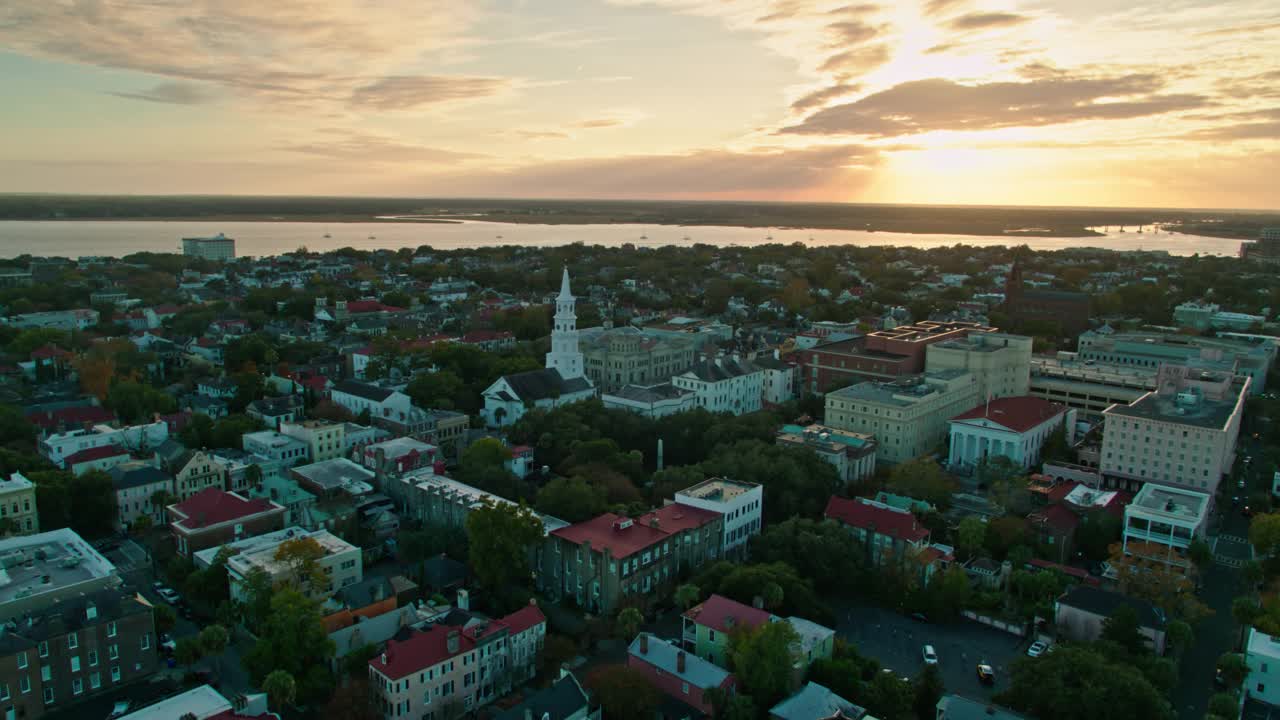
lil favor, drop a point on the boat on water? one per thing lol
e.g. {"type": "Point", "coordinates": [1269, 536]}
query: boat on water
{"type": "Point", "coordinates": [373, 237]}
{"type": "Point", "coordinates": [769, 238]}
{"type": "Point", "coordinates": [499, 237]}
{"type": "Point", "coordinates": [644, 237]}
{"type": "Point", "coordinates": [327, 235]}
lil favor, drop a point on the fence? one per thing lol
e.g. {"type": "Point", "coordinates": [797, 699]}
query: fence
{"type": "Point", "coordinates": [1013, 628]}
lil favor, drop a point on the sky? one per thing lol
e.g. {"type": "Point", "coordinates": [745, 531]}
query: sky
{"type": "Point", "coordinates": [1051, 102]}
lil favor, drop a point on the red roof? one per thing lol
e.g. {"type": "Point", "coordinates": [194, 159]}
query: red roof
{"type": "Point", "coordinates": [45, 352]}
{"type": "Point", "coordinates": [723, 614]}
{"type": "Point", "coordinates": [1074, 572]}
{"type": "Point", "coordinates": [367, 306]}
{"type": "Point", "coordinates": [419, 651]}
{"type": "Point", "coordinates": [1057, 517]}
{"type": "Point", "coordinates": [479, 336]}
{"type": "Point", "coordinates": [523, 619]}
{"type": "Point", "coordinates": [212, 506]}
{"type": "Point", "coordinates": [1019, 414]}
{"type": "Point", "coordinates": [1059, 492]}
{"type": "Point", "coordinates": [98, 453]}
{"type": "Point", "coordinates": [868, 515]}
{"type": "Point", "coordinates": [623, 536]}
{"type": "Point", "coordinates": [166, 309]}
{"type": "Point", "coordinates": [71, 416]}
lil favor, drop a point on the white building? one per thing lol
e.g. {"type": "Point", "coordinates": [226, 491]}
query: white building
{"type": "Point", "coordinates": [18, 505]}
{"type": "Point", "coordinates": [1161, 522]}
{"type": "Point", "coordinates": [565, 355]}
{"type": "Point", "coordinates": [908, 416]}
{"type": "Point", "coordinates": [218, 247]}
{"type": "Point", "coordinates": [1011, 427]}
{"type": "Point", "coordinates": [853, 454]}
{"type": "Point", "coordinates": [55, 320]}
{"type": "Point", "coordinates": [358, 397]}
{"type": "Point", "coordinates": [276, 446]}
{"type": "Point", "coordinates": [341, 562]}
{"type": "Point", "coordinates": [135, 483]}
{"type": "Point", "coordinates": [44, 568]}
{"type": "Point", "coordinates": [741, 504]}
{"type": "Point", "coordinates": [651, 401]}
{"type": "Point", "coordinates": [725, 384]}
{"type": "Point", "coordinates": [781, 379]}
{"type": "Point", "coordinates": [134, 438]}
{"type": "Point", "coordinates": [1262, 655]}
{"type": "Point", "coordinates": [325, 440]}
{"type": "Point", "coordinates": [1000, 362]}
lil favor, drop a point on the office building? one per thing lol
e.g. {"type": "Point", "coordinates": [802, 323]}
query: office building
{"type": "Point", "coordinates": [1241, 356]}
{"type": "Point", "coordinates": [1000, 362]}
{"type": "Point", "coordinates": [908, 417]}
{"type": "Point", "coordinates": [324, 439]}
{"type": "Point", "coordinates": [1266, 249]}
{"type": "Point", "coordinates": [741, 504]}
{"type": "Point", "coordinates": [617, 357]}
{"type": "Point", "coordinates": [1182, 434]}
{"type": "Point", "coordinates": [882, 355]}
{"type": "Point", "coordinates": [1040, 309]}
{"type": "Point", "coordinates": [218, 247]}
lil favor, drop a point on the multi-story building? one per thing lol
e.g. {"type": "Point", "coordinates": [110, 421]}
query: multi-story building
{"type": "Point", "coordinates": [613, 561]}
{"type": "Point", "coordinates": [136, 483]}
{"type": "Point", "coordinates": [135, 439]}
{"type": "Point", "coordinates": [853, 454]}
{"type": "Point", "coordinates": [740, 504]}
{"type": "Point", "coordinates": [1081, 612]}
{"type": "Point", "coordinates": [1088, 386]}
{"type": "Point", "coordinates": [1000, 362]}
{"type": "Point", "coordinates": [730, 384]}
{"type": "Point", "coordinates": [218, 247]}
{"type": "Point", "coordinates": [214, 517]}
{"type": "Point", "coordinates": [277, 446]}
{"type": "Point", "coordinates": [706, 627]}
{"type": "Point", "coordinates": [781, 378]}
{"type": "Point", "coordinates": [1262, 657]}
{"type": "Point", "coordinates": [909, 416]}
{"type": "Point", "coordinates": [68, 320]}
{"type": "Point", "coordinates": [616, 357]}
{"type": "Point", "coordinates": [445, 671]}
{"type": "Point", "coordinates": [1183, 434]}
{"type": "Point", "coordinates": [204, 703]}
{"type": "Point", "coordinates": [399, 455]}
{"type": "Point", "coordinates": [328, 478]}
{"type": "Point", "coordinates": [195, 471]}
{"type": "Point", "coordinates": [82, 647]}
{"type": "Point", "coordinates": [1010, 427]}
{"type": "Point", "coordinates": [1266, 249]}
{"type": "Point", "coordinates": [18, 514]}
{"type": "Point", "coordinates": [102, 458]}
{"type": "Point", "coordinates": [238, 464]}
{"type": "Point", "coordinates": [49, 567]}
{"type": "Point", "coordinates": [324, 439]}
{"type": "Point", "coordinates": [888, 534]}
{"type": "Point", "coordinates": [341, 562]}
{"type": "Point", "coordinates": [1161, 523]}
{"type": "Point", "coordinates": [1067, 311]}
{"type": "Point", "coordinates": [880, 355]}
{"type": "Point", "coordinates": [651, 401]}
{"type": "Point", "coordinates": [1152, 350]}
{"type": "Point", "coordinates": [274, 410]}
{"type": "Point", "coordinates": [440, 501]}
{"type": "Point", "coordinates": [679, 675]}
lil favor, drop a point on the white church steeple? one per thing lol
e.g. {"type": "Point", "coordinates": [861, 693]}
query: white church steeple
{"type": "Point", "coordinates": [564, 355]}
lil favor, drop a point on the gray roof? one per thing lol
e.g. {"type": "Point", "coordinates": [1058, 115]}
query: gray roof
{"type": "Point", "coordinates": [954, 707]}
{"type": "Point", "coordinates": [441, 572]}
{"type": "Point", "coordinates": [543, 384]}
{"type": "Point", "coordinates": [131, 475]}
{"type": "Point", "coordinates": [69, 615]}
{"type": "Point", "coordinates": [816, 702]}
{"type": "Point", "coordinates": [366, 592]}
{"type": "Point", "coordinates": [364, 390]}
{"type": "Point", "coordinates": [721, 369]}
{"type": "Point", "coordinates": [662, 655]}
{"type": "Point", "coordinates": [273, 406]}
{"type": "Point", "coordinates": [1207, 413]}
{"type": "Point", "coordinates": [564, 698]}
{"type": "Point", "coordinates": [650, 393]}
{"type": "Point", "coordinates": [1104, 604]}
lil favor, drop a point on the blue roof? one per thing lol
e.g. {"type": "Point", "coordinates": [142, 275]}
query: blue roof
{"type": "Point", "coordinates": [841, 438]}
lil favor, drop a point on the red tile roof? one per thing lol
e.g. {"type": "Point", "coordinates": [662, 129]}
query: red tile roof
{"type": "Point", "coordinates": [676, 518]}
{"type": "Point", "coordinates": [862, 513]}
{"type": "Point", "coordinates": [367, 306]}
{"type": "Point", "coordinates": [420, 650]}
{"type": "Point", "coordinates": [523, 619]}
{"type": "Point", "coordinates": [98, 453]}
{"type": "Point", "coordinates": [479, 336]}
{"type": "Point", "coordinates": [624, 536]}
{"type": "Point", "coordinates": [1057, 517]}
{"type": "Point", "coordinates": [46, 352]}
{"type": "Point", "coordinates": [723, 614]}
{"type": "Point", "coordinates": [1016, 413]}
{"type": "Point", "coordinates": [212, 506]}
{"type": "Point", "coordinates": [71, 416]}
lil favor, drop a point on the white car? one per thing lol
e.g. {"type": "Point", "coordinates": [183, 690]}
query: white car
{"type": "Point", "coordinates": [170, 596]}
{"type": "Point", "coordinates": [120, 709]}
{"type": "Point", "coordinates": [930, 657]}
{"type": "Point", "coordinates": [1037, 649]}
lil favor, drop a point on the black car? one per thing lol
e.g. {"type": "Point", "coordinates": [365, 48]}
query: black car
{"type": "Point", "coordinates": [920, 617]}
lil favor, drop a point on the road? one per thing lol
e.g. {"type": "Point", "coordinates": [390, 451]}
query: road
{"type": "Point", "coordinates": [896, 642]}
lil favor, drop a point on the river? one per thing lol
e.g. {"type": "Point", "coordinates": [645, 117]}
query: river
{"type": "Point", "coordinates": [121, 237]}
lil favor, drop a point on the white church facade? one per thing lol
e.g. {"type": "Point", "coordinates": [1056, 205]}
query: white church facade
{"type": "Point", "coordinates": [563, 381]}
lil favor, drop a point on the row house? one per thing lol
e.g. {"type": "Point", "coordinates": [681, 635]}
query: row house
{"type": "Point", "coordinates": [444, 671]}
{"type": "Point", "coordinates": [214, 517]}
{"type": "Point", "coordinates": [679, 675]}
{"type": "Point", "coordinates": [613, 561]}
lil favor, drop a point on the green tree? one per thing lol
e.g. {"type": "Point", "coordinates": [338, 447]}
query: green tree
{"type": "Point", "coordinates": [818, 549]}
{"type": "Point", "coordinates": [924, 480]}
{"type": "Point", "coordinates": [436, 390]}
{"type": "Point", "coordinates": [624, 693]}
{"type": "Point", "coordinates": [1224, 705]}
{"type": "Point", "coordinates": [164, 618]}
{"type": "Point", "coordinates": [571, 499]}
{"type": "Point", "coordinates": [687, 595]}
{"type": "Point", "coordinates": [762, 660]}
{"type": "Point", "coordinates": [1179, 636]}
{"type": "Point", "coordinates": [629, 620]}
{"type": "Point", "coordinates": [928, 691]}
{"type": "Point", "coordinates": [1264, 533]}
{"type": "Point", "coordinates": [970, 535]}
{"type": "Point", "coordinates": [213, 641]}
{"type": "Point", "coordinates": [1076, 682]}
{"type": "Point", "coordinates": [187, 651]}
{"type": "Point", "coordinates": [292, 640]}
{"type": "Point", "coordinates": [500, 537]}
{"type": "Point", "coordinates": [1123, 629]}
{"type": "Point", "coordinates": [302, 557]}
{"type": "Point", "coordinates": [281, 688]}
{"type": "Point", "coordinates": [355, 700]}
{"type": "Point", "coordinates": [1234, 669]}
{"type": "Point", "coordinates": [1200, 554]}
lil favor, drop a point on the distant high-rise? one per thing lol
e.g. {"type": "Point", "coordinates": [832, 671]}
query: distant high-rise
{"type": "Point", "coordinates": [218, 247]}
{"type": "Point", "coordinates": [1265, 249]}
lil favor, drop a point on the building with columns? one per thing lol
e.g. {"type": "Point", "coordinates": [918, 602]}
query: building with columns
{"type": "Point", "coordinates": [1014, 427]}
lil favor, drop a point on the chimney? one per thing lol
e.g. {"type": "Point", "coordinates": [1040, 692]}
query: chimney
{"type": "Point", "coordinates": [653, 521]}
{"type": "Point", "coordinates": [384, 659]}
{"type": "Point", "coordinates": [644, 643]}
{"type": "Point", "coordinates": [680, 662]}
{"type": "Point", "coordinates": [453, 641]}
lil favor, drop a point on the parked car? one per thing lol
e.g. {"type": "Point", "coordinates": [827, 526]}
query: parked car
{"type": "Point", "coordinates": [930, 657]}
{"type": "Point", "coordinates": [169, 595]}
{"type": "Point", "coordinates": [920, 617]}
{"type": "Point", "coordinates": [120, 709]}
{"type": "Point", "coordinates": [986, 674]}
{"type": "Point", "coordinates": [1037, 649]}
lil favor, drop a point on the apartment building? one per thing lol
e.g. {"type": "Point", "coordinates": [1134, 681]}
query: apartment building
{"type": "Point", "coordinates": [679, 675]}
{"type": "Point", "coordinates": [909, 416]}
{"type": "Point", "coordinates": [1161, 522]}
{"type": "Point", "coordinates": [852, 454]}
{"type": "Point", "coordinates": [324, 439]}
{"type": "Point", "coordinates": [215, 517]}
{"type": "Point", "coordinates": [731, 384]}
{"type": "Point", "coordinates": [444, 671]}
{"type": "Point", "coordinates": [888, 534]}
{"type": "Point", "coordinates": [219, 247]}
{"type": "Point", "coordinates": [56, 447]}
{"type": "Point", "coordinates": [135, 484]}
{"type": "Point", "coordinates": [613, 561]}
{"type": "Point", "coordinates": [341, 562]}
{"type": "Point", "coordinates": [616, 357]}
{"type": "Point", "coordinates": [18, 514]}
{"type": "Point", "coordinates": [440, 501]}
{"type": "Point", "coordinates": [50, 567]}
{"type": "Point", "coordinates": [740, 504]}
{"type": "Point", "coordinates": [61, 654]}
{"type": "Point", "coordinates": [1183, 434]}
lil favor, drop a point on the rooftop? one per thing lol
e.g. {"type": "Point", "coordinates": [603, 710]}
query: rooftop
{"type": "Point", "coordinates": [31, 565]}
{"type": "Point", "coordinates": [623, 536]}
{"type": "Point", "coordinates": [260, 551]}
{"type": "Point", "coordinates": [399, 447]}
{"type": "Point", "coordinates": [470, 496]}
{"type": "Point", "coordinates": [723, 614]}
{"type": "Point", "coordinates": [815, 702]}
{"type": "Point", "coordinates": [903, 392]}
{"type": "Point", "coordinates": [717, 489]}
{"type": "Point", "coordinates": [663, 655]}
{"type": "Point", "coordinates": [213, 506]}
{"type": "Point", "coordinates": [1262, 644]}
{"type": "Point", "coordinates": [877, 517]}
{"type": "Point", "coordinates": [1182, 409]}
{"type": "Point", "coordinates": [954, 707]}
{"type": "Point", "coordinates": [270, 438]}
{"type": "Point", "coordinates": [1018, 414]}
{"type": "Point", "coordinates": [202, 702]}
{"type": "Point", "coordinates": [1173, 503]}
{"type": "Point", "coordinates": [17, 481]}
{"type": "Point", "coordinates": [97, 453]}
{"type": "Point", "coordinates": [821, 434]}
{"type": "Point", "coordinates": [650, 393]}
{"type": "Point", "coordinates": [364, 390]}
{"type": "Point", "coordinates": [1104, 604]}
{"type": "Point", "coordinates": [337, 474]}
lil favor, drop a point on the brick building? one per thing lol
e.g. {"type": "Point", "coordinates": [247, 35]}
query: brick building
{"type": "Point", "coordinates": [880, 355]}
{"type": "Point", "coordinates": [214, 517]}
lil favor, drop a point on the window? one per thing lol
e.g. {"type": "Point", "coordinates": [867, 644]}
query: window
{"type": "Point", "coordinates": [77, 686]}
{"type": "Point", "coordinates": [4, 691]}
{"type": "Point", "coordinates": [24, 683]}
{"type": "Point", "coordinates": [73, 641]}
{"type": "Point", "coordinates": [46, 673]}
{"type": "Point", "coordinates": [146, 641]}
{"type": "Point", "coordinates": [44, 649]}
{"type": "Point", "coordinates": [95, 681]}
{"type": "Point", "coordinates": [111, 629]}
{"type": "Point", "coordinates": [684, 688]}
{"type": "Point", "coordinates": [93, 658]}
{"type": "Point", "coordinates": [48, 695]}
{"type": "Point", "coordinates": [22, 660]}
{"type": "Point", "coordinates": [115, 673]}
{"type": "Point", "coordinates": [113, 652]}
{"type": "Point", "coordinates": [75, 663]}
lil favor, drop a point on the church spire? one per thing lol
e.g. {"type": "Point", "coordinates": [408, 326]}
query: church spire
{"type": "Point", "coordinates": [564, 355]}
{"type": "Point", "coordinates": [564, 286]}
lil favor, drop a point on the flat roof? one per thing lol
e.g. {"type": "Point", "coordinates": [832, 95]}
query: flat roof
{"type": "Point", "coordinates": [31, 565]}
{"type": "Point", "coordinates": [338, 473]}
{"type": "Point", "coordinates": [1263, 644]}
{"type": "Point", "coordinates": [1174, 503]}
{"type": "Point", "coordinates": [263, 555]}
{"type": "Point", "coordinates": [903, 392]}
{"type": "Point", "coordinates": [1205, 413]}
{"type": "Point", "coordinates": [202, 702]}
{"type": "Point", "coordinates": [718, 489]}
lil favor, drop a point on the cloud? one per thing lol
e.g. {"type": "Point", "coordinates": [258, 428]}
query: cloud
{"type": "Point", "coordinates": [819, 98]}
{"type": "Point", "coordinates": [402, 92]}
{"type": "Point", "coordinates": [540, 134]}
{"type": "Point", "coordinates": [936, 104]}
{"type": "Point", "coordinates": [937, 7]}
{"type": "Point", "coordinates": [359, 147]}
{"type": "Point", "coordinates": [760, 173]}
{"type": "Point", "coordinates": [1240, 30]}
{"type": "Point", "coordinates": [857, 61]}
{"type": "Point", "coordinates": [174, 93]}
{"type": "Point", "coordinates": [596, 123]}
{"type": "Point", "coordinates": [986, 21]}
{"type": "Point", "coordinates": [1261, 85]}
{"type": "Point", "coordinates": [851, 32]}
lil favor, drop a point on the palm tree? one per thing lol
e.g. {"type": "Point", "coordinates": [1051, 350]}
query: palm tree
{"type": "Point", "coordinates": [280, 687]}
{"type": "Point", "coordinates": [629, 621]}
{"type": "Point", "coordinates": [687, 595]}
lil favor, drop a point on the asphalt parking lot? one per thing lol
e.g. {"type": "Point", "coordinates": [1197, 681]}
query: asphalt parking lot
{"type": "Point", "coordinates": [897, 641]}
